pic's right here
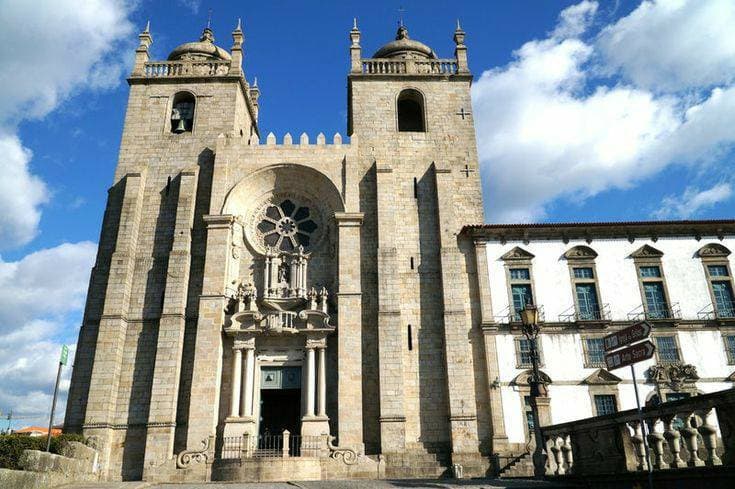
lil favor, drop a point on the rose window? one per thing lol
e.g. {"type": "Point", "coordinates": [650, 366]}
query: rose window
{"type": "Point", "coordinates": [286, 226]}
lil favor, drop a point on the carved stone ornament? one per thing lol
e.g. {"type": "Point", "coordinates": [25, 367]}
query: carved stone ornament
{"type": "Point", "coordinates": [580, 252]}
{"type": "Point", "coordinates": [602, 377]}
{"type": "Point", "coordinates": [517, 253]}
{"type": "Point", "coordinates": [524, 378]}
{"type": "Point", "coordinates": [674, 374]}
{"type": "Point", "coordinates": [713, 250]}
{"type": "Point", "coordinates": [347, 455]}
{"type": "Point", "coordinates": [284, 222]}
{"type": "Point", "coordinates": [647, 251]}
{"type": "Point", "coordinates": [187, 457]}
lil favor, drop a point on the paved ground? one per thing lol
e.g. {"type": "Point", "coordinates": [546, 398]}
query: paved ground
{"type": "Point", "coordinates": [371, 484]}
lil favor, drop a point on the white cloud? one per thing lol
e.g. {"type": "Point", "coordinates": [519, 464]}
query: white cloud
{"type": "Point", "coordinates": [52, 49]}
{"type": "Point", "coordinates": [193, 5]}
{"type": "Point", "coordinates": [693, 201]}
{"type": "Point", "coordinates": [548, 129]}
{"type": "Point", "coordinates": [674, 44]}
{"type": "Point", "coordinates": [574, 20]}
{"type": "Point", "coordinates": [21, 194]}
{"type": "Point", "coordinates": [41, 297]}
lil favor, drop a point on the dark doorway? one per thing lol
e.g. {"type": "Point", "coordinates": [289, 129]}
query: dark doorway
{"type": "Point", "coordinates": [280, 410]}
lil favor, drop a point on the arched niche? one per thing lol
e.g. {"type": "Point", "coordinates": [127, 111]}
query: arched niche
{"type": "Point", "coordinates": [410, 109]}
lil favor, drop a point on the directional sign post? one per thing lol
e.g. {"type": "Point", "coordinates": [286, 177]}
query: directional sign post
{"type": "Point", "coordinates": [630, 355]}
{"type": "Point", "coordinates": [63, 358]}
{"type": "Point", "coordinates": [627, 336]}
{"type": "Point", "coordinates": [636, 351]}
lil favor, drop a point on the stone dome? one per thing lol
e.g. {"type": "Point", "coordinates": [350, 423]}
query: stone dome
{"type": "Point", "coordinates": [404, 47]}
{"type": "Point", "coordinates": [204, 48]}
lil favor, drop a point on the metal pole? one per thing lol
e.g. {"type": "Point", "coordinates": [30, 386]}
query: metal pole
{"type": "Point", "coordinates": [644, 431]}
{"type": "Point", "coordinates": [535, 391]}
{"type": "Point", "coordinates": [53, 407]}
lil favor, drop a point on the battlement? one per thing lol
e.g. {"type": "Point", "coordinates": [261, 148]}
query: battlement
{"type": "Point", "coordinates": [303, 140]}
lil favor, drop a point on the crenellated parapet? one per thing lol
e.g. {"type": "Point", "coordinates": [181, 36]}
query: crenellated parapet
{"type": "Point", "coordinates": [303, 140]}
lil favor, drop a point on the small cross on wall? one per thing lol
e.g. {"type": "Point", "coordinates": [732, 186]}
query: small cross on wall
{"type": "Point", "coordinates": [463, 113]}
{"type": "Point", "coordinates": [467, 170]}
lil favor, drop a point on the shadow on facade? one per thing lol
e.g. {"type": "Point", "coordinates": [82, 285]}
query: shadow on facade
{"type": "Point", "coordinates": [433, 398]}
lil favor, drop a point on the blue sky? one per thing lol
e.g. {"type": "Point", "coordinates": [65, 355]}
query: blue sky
{"type": "Point", "coordinates": [585, 111]}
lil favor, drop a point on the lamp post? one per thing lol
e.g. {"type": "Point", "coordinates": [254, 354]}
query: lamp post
{"type": "Point", "coordinates": [530, 329]}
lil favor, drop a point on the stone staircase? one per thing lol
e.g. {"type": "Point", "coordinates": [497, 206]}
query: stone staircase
{"type": "Point", "coordinates": [417, 465]}
{"type": "Point", "coordinates": [511, 466]}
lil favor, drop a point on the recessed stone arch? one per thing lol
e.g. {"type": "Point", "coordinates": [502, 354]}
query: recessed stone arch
{"type": "Point", "coordinates": [284, 203]}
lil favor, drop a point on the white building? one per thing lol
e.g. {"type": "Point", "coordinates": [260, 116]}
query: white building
{"type": "Point", "coordinates": [589, 280]}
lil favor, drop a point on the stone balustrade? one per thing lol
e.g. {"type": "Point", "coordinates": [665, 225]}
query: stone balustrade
{"type": "Point", "coordinates": [170, 69]}
{"type": "Point", "coordinates": [689, 433]}
{"type": "Point", "coordinates": [389, 66]}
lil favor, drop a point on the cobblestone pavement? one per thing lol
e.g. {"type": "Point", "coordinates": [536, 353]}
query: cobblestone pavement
{"type": "Point", "coordinates": [354, 484]}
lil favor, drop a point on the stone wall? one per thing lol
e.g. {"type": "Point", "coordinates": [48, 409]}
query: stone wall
{"type": "Point", "coordinates": [77, 463]}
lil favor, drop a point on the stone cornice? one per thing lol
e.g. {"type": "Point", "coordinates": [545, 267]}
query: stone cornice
{"type": "Point", "coordinates": [601, 230]}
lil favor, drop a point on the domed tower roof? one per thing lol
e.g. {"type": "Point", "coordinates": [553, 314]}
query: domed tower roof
{"type": "Point", "coordinates": [403, 47]}
{"type": "Point", "coordinates": [204, 48]}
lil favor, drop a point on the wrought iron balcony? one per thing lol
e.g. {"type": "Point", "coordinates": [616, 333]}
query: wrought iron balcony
{"type": "Point", "coordinates": [581, 315]}
{"type": "Point", "coordinates": [722, 311]}
{"type": "Point", "coordinates": [509, 316]}
{"type": "Point", "coordinates": [656, 311]}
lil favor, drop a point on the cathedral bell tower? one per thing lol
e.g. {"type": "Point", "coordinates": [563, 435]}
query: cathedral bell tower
{"type": "Point", "coordinates": [412, 113]}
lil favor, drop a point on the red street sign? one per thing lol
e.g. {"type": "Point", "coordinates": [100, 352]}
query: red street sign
{"type": "Point", "coordinates": [631, 334]}
{"type": "Point", "coordinates": [629, 356]}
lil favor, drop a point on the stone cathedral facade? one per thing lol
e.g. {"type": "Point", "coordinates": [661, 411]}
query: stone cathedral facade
{"type": "Point", "coordinates": [268, 308]}
{"type": "Point", "coordinates": [245, 285]}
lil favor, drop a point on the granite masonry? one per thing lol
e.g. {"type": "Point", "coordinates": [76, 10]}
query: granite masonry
{"type": "Point", "coordinates": [266, 308]}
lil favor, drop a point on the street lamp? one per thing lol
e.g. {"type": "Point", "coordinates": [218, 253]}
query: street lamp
{"type": "Point", "coordinates": [530, 329]}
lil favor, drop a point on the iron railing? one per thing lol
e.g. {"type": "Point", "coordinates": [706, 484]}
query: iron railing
{"type": "Point", "coordinates": [724, 310]}
{"type": "Point", "coordinates": [656, 311]}
{"type": "Point", "coordinates": [572, 314]}
{"type": "Point", "coordinates": [271, 446]}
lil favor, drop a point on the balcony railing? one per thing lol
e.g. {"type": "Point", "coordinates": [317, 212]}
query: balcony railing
{"type": "Point", "coordinates": [170, 69]}
{"type": "Point", "coordinates": [511, 316]}
{"type": "Point", "coordinates": [572, 314]}
{"type": "Point", "coordinates": [681, 434]}
{"type": "Point", "coordinates": [656, 311]}
{"type": "Point", "coordinates": [723, 310]}
{"type": "Point", "coordinates": [272, 446]}
{"type": "Point", "coordinates": [389, 66]}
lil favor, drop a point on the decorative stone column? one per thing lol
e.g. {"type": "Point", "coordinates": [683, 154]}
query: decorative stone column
{"type": "Point", "coordinates": [315, 423]}
{"type": "Point", "coordinates": [246, 405]}
{"type": "Point", "coordinates": [241, 420]}
{"type": "Point", "coordinates": [309, 380]}
{"type": "Point", "coordinates": [322, 380]}
{"type": "Point", "coordinates": [236, 382]}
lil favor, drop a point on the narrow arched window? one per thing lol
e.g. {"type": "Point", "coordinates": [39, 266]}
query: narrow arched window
{"type": "Point", "coordinates": [182, 113]}
{"type": "Point", "coordinates": [411, 111]}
